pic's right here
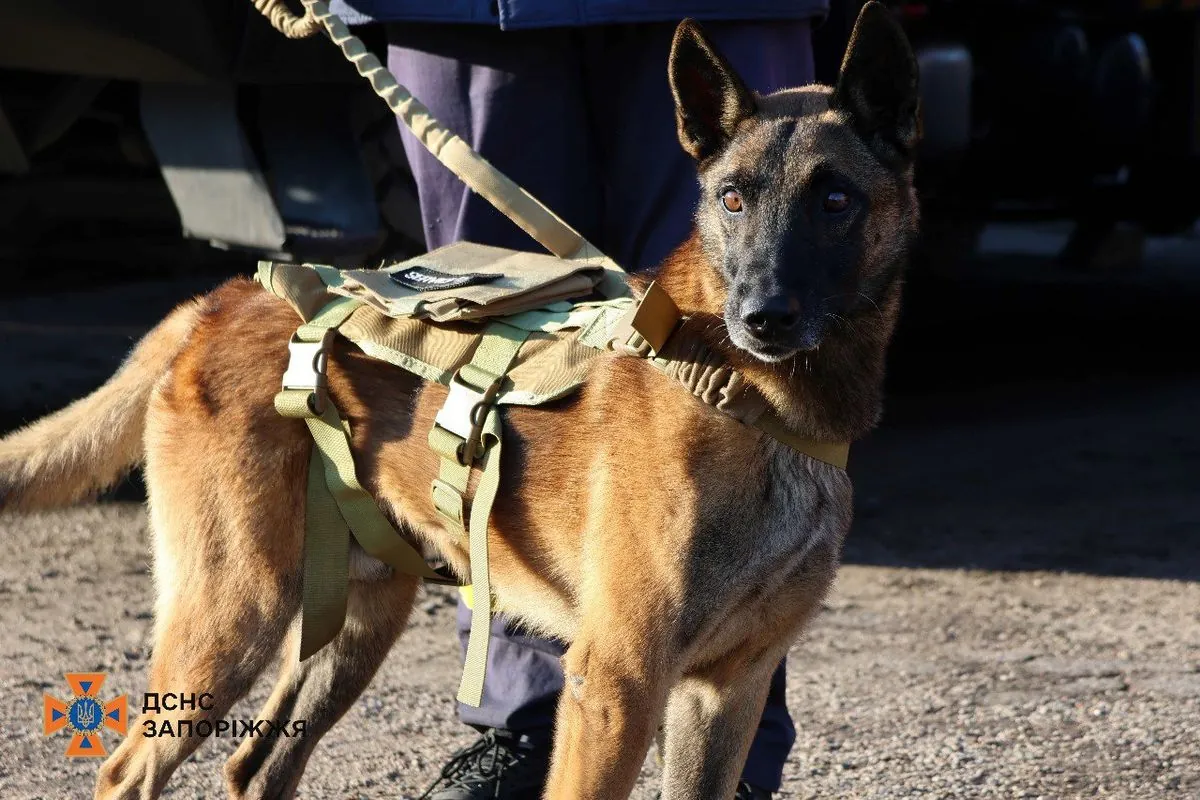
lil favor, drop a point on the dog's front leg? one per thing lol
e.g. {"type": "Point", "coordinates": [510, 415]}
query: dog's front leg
{"type": "Point", "coordinates": [710, 722]}
{"type": "Point", "coordinates": [607, 716]}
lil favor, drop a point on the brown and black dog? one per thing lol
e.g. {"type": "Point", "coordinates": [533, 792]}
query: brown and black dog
{"type": "Point", "coordinates": [678, 551]}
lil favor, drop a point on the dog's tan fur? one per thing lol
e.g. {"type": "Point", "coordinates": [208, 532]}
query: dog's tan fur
{"type": "Point", "coordinates": [679, 552]}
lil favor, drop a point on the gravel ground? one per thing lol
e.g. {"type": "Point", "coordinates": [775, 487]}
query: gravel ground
{"type": "Point", "coordinates": [1019, 615]}
{"type": "Point", "coordinates": [912, 683]}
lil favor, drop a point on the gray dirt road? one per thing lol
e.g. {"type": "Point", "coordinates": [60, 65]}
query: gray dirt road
{"type": "Point", "coordinates": [1019, 615]}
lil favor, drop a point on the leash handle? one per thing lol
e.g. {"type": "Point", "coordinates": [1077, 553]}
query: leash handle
{"type": "Point", "coordinates": [283, 20]}
{"type": "Point", "coordinates": [526, 211]}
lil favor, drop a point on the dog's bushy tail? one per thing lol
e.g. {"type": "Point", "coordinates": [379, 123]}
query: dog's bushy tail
{"type": "Point", "coordinates": [88, 446]}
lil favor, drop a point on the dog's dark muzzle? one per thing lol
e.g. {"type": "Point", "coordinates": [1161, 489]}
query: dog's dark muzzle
{"type": "Point", "coordinates": [778, 326]}
{"type": "Point", "coordinates": [772, 320]}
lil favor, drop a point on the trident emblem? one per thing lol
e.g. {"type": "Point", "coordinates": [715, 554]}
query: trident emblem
{"type": "Point", "coordinates": [85, 715]}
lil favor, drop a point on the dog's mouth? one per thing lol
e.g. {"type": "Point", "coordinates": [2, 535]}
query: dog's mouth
{"type": "Point", "coordinates": [770, 353]}
{"type": "Point", "coordinates": [806, 337]}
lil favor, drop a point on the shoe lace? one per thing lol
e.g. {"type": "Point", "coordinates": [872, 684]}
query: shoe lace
{"type": "Point", "coordinates": [746, 792]}
{"type": "Point", "coordinates": [489, 757]}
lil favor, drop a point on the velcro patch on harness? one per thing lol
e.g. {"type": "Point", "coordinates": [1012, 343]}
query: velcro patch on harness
{"type": "Point", "coordinates": [424, 279]}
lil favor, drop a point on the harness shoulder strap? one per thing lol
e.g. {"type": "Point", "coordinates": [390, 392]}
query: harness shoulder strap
{"type": "Point", "coordinates": [467, 429]}
{"type": "Point", "coordinates": [337, 504]}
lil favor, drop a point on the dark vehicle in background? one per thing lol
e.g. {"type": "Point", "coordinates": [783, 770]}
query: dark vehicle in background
{"type": "Point", "coordinates": [144, 134]}
{"type": "Point", "coordinates": [1085, 110]}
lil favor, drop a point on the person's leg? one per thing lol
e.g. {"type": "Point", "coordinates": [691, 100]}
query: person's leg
{"type": "Point", "coordinates": [651, 194]}
{"type": "Point", "coordinates": [515, 97]}
{"type": "Point", "coordinates": [774, 738]}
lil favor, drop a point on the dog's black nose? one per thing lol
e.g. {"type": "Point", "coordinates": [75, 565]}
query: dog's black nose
{"type": "Point", "coordinates": [777, 315]}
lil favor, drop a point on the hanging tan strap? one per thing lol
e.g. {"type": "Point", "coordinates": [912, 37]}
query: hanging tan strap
{"type": "Point", "coordinates": [467, 431]}
{"type": "Point", "coordinates": [470, 689]}
{"type": "Point", "coordinates": [526, 211]}
{"type": "Point", "coordinates": [326, 564]}
{"type": "Point", "coordinates": [337, 505]}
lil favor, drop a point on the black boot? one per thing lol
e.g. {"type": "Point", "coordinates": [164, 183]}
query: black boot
{"type": "Point", "coordinates": [747, 792]}
{"type": "Point", "coordinates": [501, 765]}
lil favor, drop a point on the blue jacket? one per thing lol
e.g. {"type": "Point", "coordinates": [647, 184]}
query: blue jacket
{"type": "Point", "coordinates": [518, 14]}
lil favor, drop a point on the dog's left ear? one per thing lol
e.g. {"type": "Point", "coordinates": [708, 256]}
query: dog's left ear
{"type": "Point", "coordinates": [710, 98]}
{"type": "Point", "coordinates": [877, 84]}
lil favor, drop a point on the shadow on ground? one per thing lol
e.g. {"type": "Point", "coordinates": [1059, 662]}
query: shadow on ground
{"type": "Point", "coordinates": [1041, 423]}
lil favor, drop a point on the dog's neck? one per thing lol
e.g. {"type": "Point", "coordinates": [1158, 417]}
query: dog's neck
{"type": "Point", "coordinates": [831, 394]}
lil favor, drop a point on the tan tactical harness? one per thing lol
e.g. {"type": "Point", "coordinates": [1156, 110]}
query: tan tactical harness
{"type": "Point", "coordinates": [508, 329]}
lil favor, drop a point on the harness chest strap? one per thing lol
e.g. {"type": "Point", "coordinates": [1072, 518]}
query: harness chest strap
{"type": "Point", "coordinates": [651, 331]}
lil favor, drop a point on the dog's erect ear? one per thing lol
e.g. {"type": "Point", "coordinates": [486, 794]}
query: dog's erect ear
{"type": "Point", "coordinates": [877, 84]}
{"type": "Point", "coordinates": [710, 98]}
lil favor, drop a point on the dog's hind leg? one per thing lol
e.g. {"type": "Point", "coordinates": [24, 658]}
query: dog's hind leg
{"type": "Point", "coordinates": [214, 638]}
{"type": "Point", "coordinates": [711, 718]}
{"type": "Point", "coordinates": [319, 690]}
{"type": "Point", "coordinates": [227, 571]}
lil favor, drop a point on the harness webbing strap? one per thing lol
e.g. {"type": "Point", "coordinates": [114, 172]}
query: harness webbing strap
{"type": "Point", "coordinates": [836, 454]}
{"type": "Point", "coordinates": [470, 688]}
{"type": "Point", "coordinates": [467, 428]}
{"type": "Point", "coordinates": [647, 328]}
{"type": "Point", "coordinates": [326, 564]}
{"type": "Point", "coordinates": [337, 505]}
{"type": "Point", "coordinates": [328, 318]}
{"type": "Point", "coordinates": [370, 527]}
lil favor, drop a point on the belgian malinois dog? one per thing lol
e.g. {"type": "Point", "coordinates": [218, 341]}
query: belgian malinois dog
{"type": "Point", "coordinates": [679, 552]}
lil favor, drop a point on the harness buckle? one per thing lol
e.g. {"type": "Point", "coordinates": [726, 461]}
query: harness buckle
{"type": "Point", "coordinates": [466, 409]}
{"type": "Point", "coordinates": [644, 330]}
{"type": "Point", "coordinates": [306, 369]}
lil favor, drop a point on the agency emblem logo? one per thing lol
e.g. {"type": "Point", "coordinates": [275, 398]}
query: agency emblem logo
{"type": "Point", "coordinates": [85, 714]}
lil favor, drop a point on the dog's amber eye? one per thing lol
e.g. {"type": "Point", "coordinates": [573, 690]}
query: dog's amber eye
{"type": "Point", "coordinates": [836, 202]}
{"type": "Point", "coordinates": [732, 201]}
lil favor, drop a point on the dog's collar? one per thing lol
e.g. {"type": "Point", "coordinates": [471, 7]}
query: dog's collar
{"type": "Point", "coordinates": [651, 330]}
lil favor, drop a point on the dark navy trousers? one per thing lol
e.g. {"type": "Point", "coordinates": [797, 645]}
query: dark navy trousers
{"type": "Point", "coordinates": [583, 119]}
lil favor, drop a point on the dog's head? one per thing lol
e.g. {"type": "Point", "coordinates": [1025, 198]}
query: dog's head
{"type": "Point", "coordinates": [807, 207]}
